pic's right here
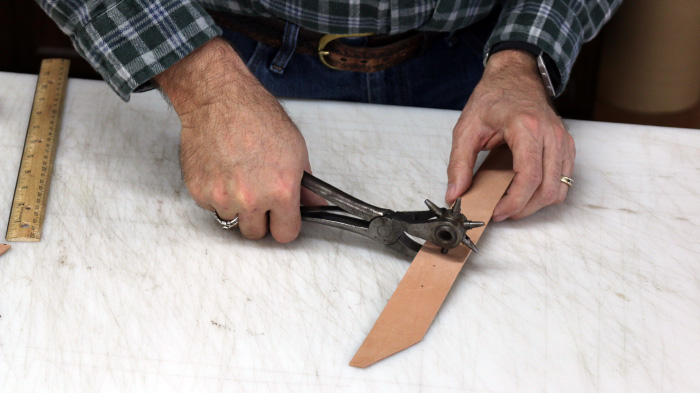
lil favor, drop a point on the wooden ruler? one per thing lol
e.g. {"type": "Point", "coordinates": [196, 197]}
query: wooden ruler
{"type": "Point", "coordinates": [31, 192]}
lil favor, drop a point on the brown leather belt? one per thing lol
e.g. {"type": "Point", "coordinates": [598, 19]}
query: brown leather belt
{"type": "Point", "coordinates": [380, 53]}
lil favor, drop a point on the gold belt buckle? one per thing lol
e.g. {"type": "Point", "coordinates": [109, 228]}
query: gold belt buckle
{"type": "Point", "coordinates": [326, 39]}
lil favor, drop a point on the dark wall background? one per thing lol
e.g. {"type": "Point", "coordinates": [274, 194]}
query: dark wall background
{"type": "Point", "coordinates": [28, 35]}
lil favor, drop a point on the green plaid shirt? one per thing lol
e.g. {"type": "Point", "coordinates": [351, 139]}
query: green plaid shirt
{"type": "Point", "coordinates": [130, 41]}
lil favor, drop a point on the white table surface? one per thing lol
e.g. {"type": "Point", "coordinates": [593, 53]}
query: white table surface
{"type": "Point", "coordinates": [134, 288]}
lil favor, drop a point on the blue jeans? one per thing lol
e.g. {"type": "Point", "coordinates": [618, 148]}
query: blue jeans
{"type": "Point", "coordinates": [442, 77]}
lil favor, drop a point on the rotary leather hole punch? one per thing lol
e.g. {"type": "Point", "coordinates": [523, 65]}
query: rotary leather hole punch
{"type": "Point", "coordinates": [446, 228]}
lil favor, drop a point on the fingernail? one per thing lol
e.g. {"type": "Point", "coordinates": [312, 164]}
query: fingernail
{"type": "Point", "coordinates": [450, 192]}
{"type": "Point", "coordinates": [499, 218]}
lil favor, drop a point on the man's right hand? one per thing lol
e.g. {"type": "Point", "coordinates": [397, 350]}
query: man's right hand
{"type": "Point", "coordinates": [240, 153]}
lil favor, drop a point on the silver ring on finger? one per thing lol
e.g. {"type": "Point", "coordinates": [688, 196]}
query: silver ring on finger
{"type": "Point", "coordinates": [226, 224]}
{"type": "Point", "coordinates": [567, 180]}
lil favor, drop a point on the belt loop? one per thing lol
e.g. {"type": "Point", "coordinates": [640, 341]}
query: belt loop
{"type": "Point", "coordinates": [289, 44]}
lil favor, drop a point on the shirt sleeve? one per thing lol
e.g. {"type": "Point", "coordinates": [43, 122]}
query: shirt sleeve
{"type": "Point", "coordinates": [130, 41]}
{"type": "Point", "coordinates": [558, 27]}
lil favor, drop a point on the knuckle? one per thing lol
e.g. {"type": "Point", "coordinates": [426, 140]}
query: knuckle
{"type": "Point", "coordinates": [512, 207]}
{"type": "Point", "coordinates": [528, 121]}
{"type": "Point", "coordinates": [550, 195]}
{"type": "Point", "coordinates": [220, 198]}
{"type": "Point", "coordinates": [290, 233]}
{"type": "Point", "coordinates": [248, 205]}
{"type": "Point", "coordinates": [286, 189]}
{"type": "Point", "coordinates": [560, 199]}
{"type": "Point", "coordinates": [534, 177]}
{"type": "Point", "coordinates": [460, 127]}
{"type": "Point", "coordinates": [560, 136]}
{"type": "Point", "coordinates": [456, 164]}
{"type": "Point", "coordinates": [197, 195]}
{"type": "Point", "coordinates": [517, 209]}
{"type": "Point", "coordinates": [572, 146]}
{"type": "Point", "coordinates": [253, 229]}
{"type": "Point", "coordinates": [534, 155]}
{"type": "Point", "coordinates": [255, 234]}
{"type": "Point", "coordinates": [284, 238]}
{"type": "Point", "coordinates": [529, 151]}
{"type": "Point", "coordinates": [246, 201]}
{"type": "Point", "coordinates": [559, 128]}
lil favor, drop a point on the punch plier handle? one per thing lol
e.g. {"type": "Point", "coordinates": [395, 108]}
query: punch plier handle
{"type": "Point", "coordinates": [447, 228]}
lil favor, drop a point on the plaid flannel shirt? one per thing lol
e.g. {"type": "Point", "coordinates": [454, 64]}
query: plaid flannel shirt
{"type": "Point", "coordinates": [130, 41]}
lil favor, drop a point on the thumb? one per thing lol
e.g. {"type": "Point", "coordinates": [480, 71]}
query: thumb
{"type": "Point", "coordinates": [460, 170]}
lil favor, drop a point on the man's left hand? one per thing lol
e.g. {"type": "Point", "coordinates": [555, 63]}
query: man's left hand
{"type": "Point", "coordinates": [510, 105]}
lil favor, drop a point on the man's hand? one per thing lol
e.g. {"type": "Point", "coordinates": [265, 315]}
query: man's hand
{"type": "Point", "coordinates": [239, 151]}
{"type": "Point", "coordinates": [510, 105]}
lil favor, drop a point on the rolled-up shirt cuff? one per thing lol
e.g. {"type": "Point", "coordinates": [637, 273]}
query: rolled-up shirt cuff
{"type": "Point", "coordinates": [135, 40]}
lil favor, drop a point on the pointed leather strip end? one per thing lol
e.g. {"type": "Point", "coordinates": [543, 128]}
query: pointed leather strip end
{"type": "Point", "coordinates": [370, 352]}
{"type": "Point", "coordinates": [3, 248]}
{"type": "Point", "coordinates": [408, 314]}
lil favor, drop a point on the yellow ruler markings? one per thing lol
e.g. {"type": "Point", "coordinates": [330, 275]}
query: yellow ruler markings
{"type": "Point", "coordinates": [31, 192]}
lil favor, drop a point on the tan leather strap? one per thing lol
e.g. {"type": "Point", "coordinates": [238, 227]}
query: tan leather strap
{"type": "Point", "coordinates": [413, 306]}
{"type": "Point", "coordinates": [382, 51]}
{"type": "Point", "coordinates": [3, 248]}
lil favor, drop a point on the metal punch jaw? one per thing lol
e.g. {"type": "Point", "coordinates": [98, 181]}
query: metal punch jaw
{"type": "Point", "coordinates": [447, 228]}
